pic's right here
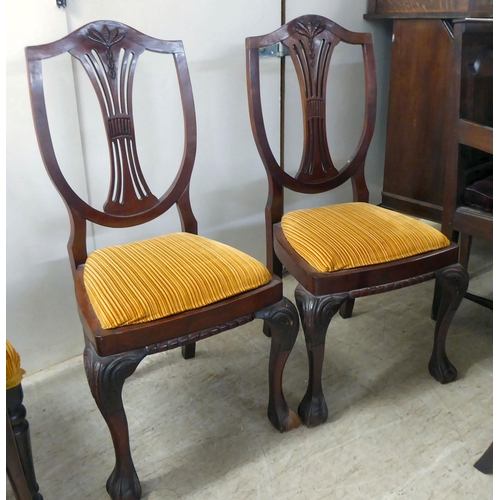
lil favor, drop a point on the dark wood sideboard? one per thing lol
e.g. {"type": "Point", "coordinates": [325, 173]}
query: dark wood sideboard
{"type": "Point", "coordinates": [418, 120]}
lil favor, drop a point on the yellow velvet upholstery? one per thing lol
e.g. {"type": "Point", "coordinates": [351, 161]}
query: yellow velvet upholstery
{"type": "Point", "coordinates": [159, 277]}
{"type": "Point", "coordinates": [13, 371]}
{"type": "Point", "coordinates": [352, 235]}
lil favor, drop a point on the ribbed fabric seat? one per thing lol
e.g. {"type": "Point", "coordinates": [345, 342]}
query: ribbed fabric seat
{"type": "Point", "coordinates": [13, 371]}
{"type": "Point", "coordinates": [352, 235]}
{"type": "Point", "coordinates": [159, 277]}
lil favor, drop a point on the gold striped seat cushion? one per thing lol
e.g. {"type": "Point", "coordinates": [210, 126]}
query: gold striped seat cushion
{"type": "Point", "coordinates": [13, 371]}
{"type": "Point", "coordinates": [159, 277]}
{"type": "Point", "coordinates": [352, 235]}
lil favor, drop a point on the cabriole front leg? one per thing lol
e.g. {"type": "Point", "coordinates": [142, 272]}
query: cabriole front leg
{"type": "Point", "coordinates": [106, 376]}
{"type": "Point", "coordinates": [452, 283]}
{"type": "Point", "coordinates": [315, 314]}
{"type": "Point", "coordinates": [283, 323]}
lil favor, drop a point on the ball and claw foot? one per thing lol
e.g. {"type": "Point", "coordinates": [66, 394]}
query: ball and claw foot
{"type": "Point", "coordinates": [443, 371]}
{"type": "Point", "coordinates": [123, 486]}
{"type": "Point", "coordinates": [284, 421]}
{"type": "Point", "coordinates": [313, 411]}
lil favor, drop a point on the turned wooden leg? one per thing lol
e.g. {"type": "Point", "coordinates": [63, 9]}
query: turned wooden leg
{"type": "Point", "coordinates": [453, 282]}
{"type": "Point", "coordinates": [106, 376]}
{"type": "Point", "coordinates": [283, 323]}
{"type": "Point", "coordinates": [189, 351]}
{"type": "Point", "coordinates": [20, 449]}
{"type": "Point", "coordinates": [315, 314]}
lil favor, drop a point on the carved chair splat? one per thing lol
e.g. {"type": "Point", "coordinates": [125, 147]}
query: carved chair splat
{"type": "Point", "coordinates": [109, 51]}
{"type": "Point", "coordinates": [309, 243]}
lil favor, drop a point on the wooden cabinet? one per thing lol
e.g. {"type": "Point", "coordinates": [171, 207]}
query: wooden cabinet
{"type": "Point", "coordinates": [428, 8]}
{"type": "Point", "coordinates": [468, 198]}
{"type": "Point", "coordinates": [420, 106]}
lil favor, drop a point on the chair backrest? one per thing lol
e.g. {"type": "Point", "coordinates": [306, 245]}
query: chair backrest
{"type": "Point", "coordinates": [310, 41]}
{"type": "Point", "coordinates": [109, 51]}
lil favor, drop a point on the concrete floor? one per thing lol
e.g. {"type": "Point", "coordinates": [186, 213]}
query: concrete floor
{"type": "Point", "coordinates": [199, 428]}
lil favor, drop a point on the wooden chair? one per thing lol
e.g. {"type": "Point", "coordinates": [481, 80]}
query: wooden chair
{"type": "Point", "coordinates": [468, 195]}
{"type": "Point", "coordinates": [341, 252]}
{"type": "Point", "coordinates": [158, 294]}
{"type": "Point", "coordinates": [19, 457]}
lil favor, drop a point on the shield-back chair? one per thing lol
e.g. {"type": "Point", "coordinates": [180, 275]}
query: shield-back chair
{"type": "Point", "coordinates": [153, 295]}
{"type": "Point", "coordinates": [340, 252]}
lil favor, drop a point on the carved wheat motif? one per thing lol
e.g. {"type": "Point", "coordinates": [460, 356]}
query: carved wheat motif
{"type": "Point", "coordinates": [312, 66]}
{"type": "Point", "coordinates": [310, 31]}
{"type": "Point", "coordinates": [108, 39]}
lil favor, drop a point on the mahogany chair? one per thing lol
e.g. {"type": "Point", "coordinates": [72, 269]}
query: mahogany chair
{"type": "Point", "coordinates": [340, 252]}
{"type": "Point", "coordinates": [157, 294]}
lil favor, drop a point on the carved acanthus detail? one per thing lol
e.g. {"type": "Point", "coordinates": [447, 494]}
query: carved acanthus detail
{"type": "Point", "coordinates": [310, 31]}
{"type": "Point", "coordinates": [284, 322]}
{"type": "Point", "coordinates": [316, 313]}
{"type": "Point", "coordinates": [106, 376]}
{"type": "Point", "coordinates": [108, 39]}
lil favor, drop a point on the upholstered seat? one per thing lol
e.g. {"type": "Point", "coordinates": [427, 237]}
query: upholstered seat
{"type": "Point", "coordinates": [151, 279]}
{"type": "Point", "coordinates": [480, 194]}
{"type": "Point", "coordinates": [13, 371]}
{"type": "Point", "coordinates": [352, 235]}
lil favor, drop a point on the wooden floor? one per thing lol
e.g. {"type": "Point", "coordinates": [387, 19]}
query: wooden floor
{"type": "Point", "coordinates": [199, 428]}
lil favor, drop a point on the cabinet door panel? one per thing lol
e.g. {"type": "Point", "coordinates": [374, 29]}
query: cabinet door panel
{"type": "Point", "coordinates": [417, 117]}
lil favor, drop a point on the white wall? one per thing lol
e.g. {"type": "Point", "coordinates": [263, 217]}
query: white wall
{"type": "Point", "coordinates": [41, 315]}
{"type": "Point", "coordinates": [229, 188]}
